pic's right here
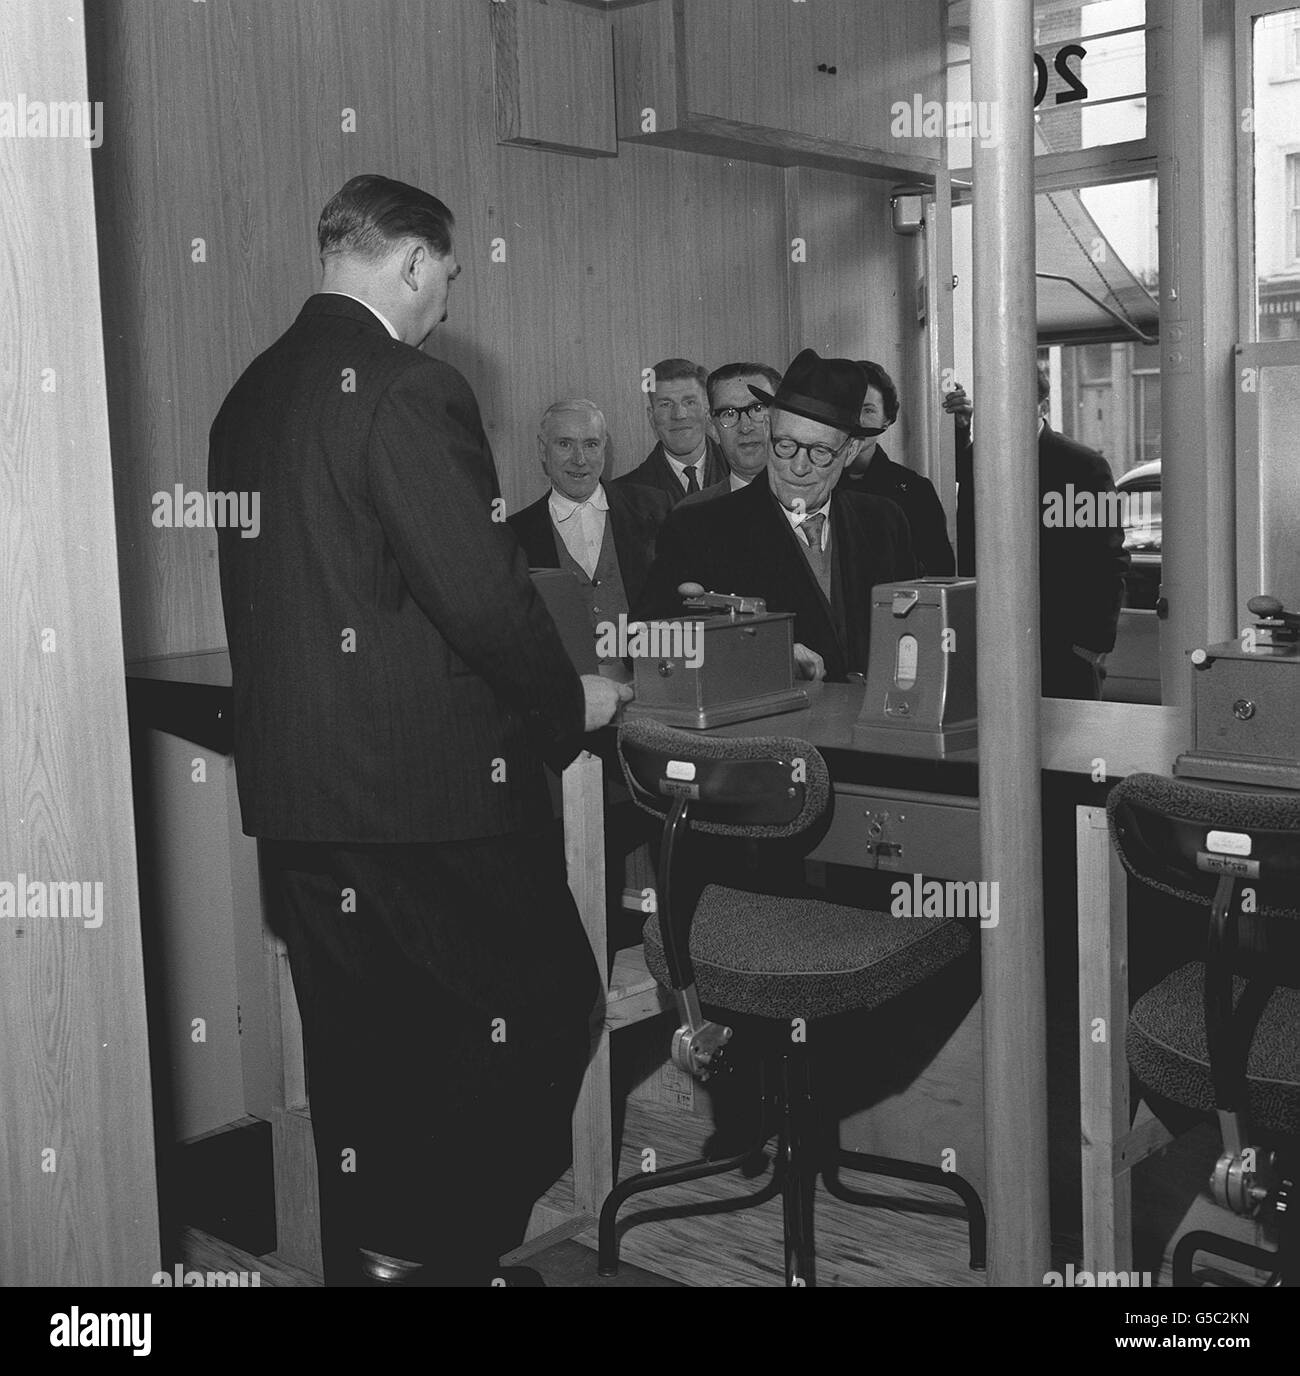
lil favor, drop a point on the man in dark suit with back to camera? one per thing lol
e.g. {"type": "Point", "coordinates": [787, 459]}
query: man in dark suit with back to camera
{"type": "Point", "coordinates": [396, 683]}
{"type": "Point", "coordinates": [790, 536]}
{"type": "Point", "coordinates": [602, 533]}
{"type": "Point", "coordinates": [875, 472]}
{"type": "Point", "coordinates": [1081, 566]}
{"type": "Point", "coordinates": [686, 457]}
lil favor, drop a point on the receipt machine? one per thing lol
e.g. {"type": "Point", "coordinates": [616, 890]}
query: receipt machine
{"type": "Point", "coordinates": [921, 677]}
{"type": "Point", "coordinates": [1246, 704]}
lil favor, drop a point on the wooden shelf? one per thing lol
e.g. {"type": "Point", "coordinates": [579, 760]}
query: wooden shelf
{"type": "Point", "coordinates": [553, 78]}
{"type": "Point", "coordinates": [750, 80]}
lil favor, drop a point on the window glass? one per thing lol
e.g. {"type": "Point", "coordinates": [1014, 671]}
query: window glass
{"type": "Point", "coordinates": [1084, 99]}
{"type": "Point", "coordinates": [1276, 115]}
{"type": "Point", "coordinates": [1105, 384]}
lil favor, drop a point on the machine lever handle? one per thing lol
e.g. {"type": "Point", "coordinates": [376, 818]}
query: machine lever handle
{"type": "Point", "coordinates": [1272, 608]}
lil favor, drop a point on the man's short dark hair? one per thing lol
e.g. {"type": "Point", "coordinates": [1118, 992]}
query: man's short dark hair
{"type": "Point", "coordinates": [681, 370]}
{"type": "Point", "coordinates": [1044, 382]}
{"type": "Point", "coordinates": [884, 384]}
{"type": "Point", "coordinates": [732, 372]}
{"type": "Point", "coordinates": [370, 215]}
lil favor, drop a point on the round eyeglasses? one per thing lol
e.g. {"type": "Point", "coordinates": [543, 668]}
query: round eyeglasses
{"type": "Point", "coordinates": [729, 416]}
{"type": "Point", "coordinates": [818, 454]}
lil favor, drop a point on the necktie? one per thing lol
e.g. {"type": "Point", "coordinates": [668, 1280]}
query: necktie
{"type": "Point", "coordinates": [811, 530]}
{"type": "Point", "coordinates": [692, 482]}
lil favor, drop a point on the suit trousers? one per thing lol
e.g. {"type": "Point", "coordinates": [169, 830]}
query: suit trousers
{"type": "Point", "coordinates": [1067, 675]}
{"type": "Point", "coordinates": [446, 992]}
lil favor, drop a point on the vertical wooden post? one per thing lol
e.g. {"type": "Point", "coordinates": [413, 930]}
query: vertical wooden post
{"type": "Point", "coordinates": [1006, 489]}
{"type": "Point", "coordinates": [1103, 1068]}
{"type": "Point", "coordinates": [77, 1179]}
{"type": "Point", "coordinates": [940, 447]}
{"type": "Point", "coordinates": [1195, 122]}
{"type": "Point", "coordinates": [941, 444]}
{"type": "Point", "coordinates": [584, 851]}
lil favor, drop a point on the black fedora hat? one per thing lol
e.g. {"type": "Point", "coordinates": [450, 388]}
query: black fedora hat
{"type": "Point", "coordinates": [829, 390]}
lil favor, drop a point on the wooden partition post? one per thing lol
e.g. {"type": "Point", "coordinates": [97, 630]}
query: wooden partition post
{"type": "Point", "coordinates": [77, 1186]}
{"type": "Point", "coordinates": [584, 851]}
{"type": "Point", "coordinates": [1006, 492]}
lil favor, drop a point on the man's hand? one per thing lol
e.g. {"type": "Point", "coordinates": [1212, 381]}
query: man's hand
{"type": "Point", "coordinates": [603, 696]}
{"type": "Point", "coordinates": [809, 664]}
{"type": "Point", "coordinates": [958, 404]}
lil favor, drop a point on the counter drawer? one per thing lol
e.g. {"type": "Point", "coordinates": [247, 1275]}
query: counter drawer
{"type": "Point", "coordinates": [909, 833]}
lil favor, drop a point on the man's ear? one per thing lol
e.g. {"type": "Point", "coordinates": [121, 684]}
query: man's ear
{"type": "Point", "coordinates": [413, 254]}
{"type": "Point", "coordinates": [541, 452]}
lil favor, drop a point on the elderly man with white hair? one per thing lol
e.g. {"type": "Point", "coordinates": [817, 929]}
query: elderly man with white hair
{"type": "Point", "coordinates": [601, 533]}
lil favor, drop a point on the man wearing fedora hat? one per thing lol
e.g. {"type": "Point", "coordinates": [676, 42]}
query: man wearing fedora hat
{"type": "Point", "coordinates": [789, 537]}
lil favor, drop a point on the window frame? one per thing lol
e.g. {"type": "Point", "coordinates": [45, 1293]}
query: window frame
{"type": "Point", "coordinates": [1074, 167]}
{"type": "Point", "coordinates": [1246, 12]}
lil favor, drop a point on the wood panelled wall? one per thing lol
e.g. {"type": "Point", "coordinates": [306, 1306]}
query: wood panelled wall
{"type": "Point", "coordinates": [77, 1194]}
{"type": "Point", "coordinates": [854, 296]}
{"type": "Point", "coordinates": [225, 124]}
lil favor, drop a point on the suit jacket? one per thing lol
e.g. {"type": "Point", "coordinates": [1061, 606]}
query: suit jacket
{"type": "Point", "coordinates": [743, 544]}
{"type": "Point", "coordinates": [921, 506]}
{"type": "Point", "coordinates": [395, 673]}
{"type": "Point", "coordinates": [635, 515]}
{"type": "Point", "coordinates": [655, 472]}
{"type": "Point", "coordinates": [1080, 569]}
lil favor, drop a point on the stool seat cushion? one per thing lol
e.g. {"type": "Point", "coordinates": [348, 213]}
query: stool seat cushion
{"type": "Point", "coordinates": [1167, 1050]}
{"type": "Point", "coordinates": [780, 957]}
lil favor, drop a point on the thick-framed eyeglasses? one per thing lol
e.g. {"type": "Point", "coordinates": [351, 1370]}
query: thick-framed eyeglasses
{"type": "Point", "coordinates": [818, 454]}
{"type": "Point", "coordinates": [728, 416]}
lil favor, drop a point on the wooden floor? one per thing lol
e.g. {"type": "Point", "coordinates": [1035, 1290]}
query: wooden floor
{"type": "Point", "coordinates": [886, 1246]}
{"type": "Point", "coordinates": [916, 1238]}
{"type": "Point", "coordinates": [1171, 1197]}
{"type": "Point", "coordinates": [201, 1251]}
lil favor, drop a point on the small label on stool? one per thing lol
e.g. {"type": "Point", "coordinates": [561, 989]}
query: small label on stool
{"type": "Point", "coordinates": [1224, 864]}
{"type": "Point", "coordinates": [680, 769]}
{"type": "Point", "coordinates": [1228, 842]}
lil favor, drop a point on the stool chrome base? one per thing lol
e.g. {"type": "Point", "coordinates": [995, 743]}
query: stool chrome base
{"type": "Point", "coordinates": [800, 1159]}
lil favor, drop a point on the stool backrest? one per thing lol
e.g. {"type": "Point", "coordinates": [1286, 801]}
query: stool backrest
{"type": "Point", "coordinates": [1181, 838]}
{"type": "Point", "coordinates": [759, 786]}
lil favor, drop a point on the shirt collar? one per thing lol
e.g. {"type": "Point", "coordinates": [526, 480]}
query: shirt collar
{"type": "Point", "coordinates": [679, 466]}
{"type": "Point", "coordinates": [563, 507]}
{"type": "Point", "coordinates": [379, 315]}
{"type": "Point", "coordinates": [797, 518]}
